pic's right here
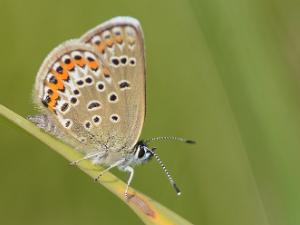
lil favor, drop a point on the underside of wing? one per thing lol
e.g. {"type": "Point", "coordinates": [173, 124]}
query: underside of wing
{"type": "Point", "coordinates": [120, 43]}
{"type": "Point", "coordinates": [67, 90]}
{"type": "Point", "coordinates": [93, 88]}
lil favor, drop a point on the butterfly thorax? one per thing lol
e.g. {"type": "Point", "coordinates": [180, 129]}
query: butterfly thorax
{"type": "Point", "coordinates": [140, 154]}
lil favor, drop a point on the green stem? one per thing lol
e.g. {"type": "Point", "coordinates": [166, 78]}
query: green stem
{"type": "Point", "coordinates": [148, 210]}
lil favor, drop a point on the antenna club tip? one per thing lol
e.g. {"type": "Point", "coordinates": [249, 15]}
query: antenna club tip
{"type": "Point", "coordinates": [190, 142]}
{"type": "Point", "coordinates": [178, 192]}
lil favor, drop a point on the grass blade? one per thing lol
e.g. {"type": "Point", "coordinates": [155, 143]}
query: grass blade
{"type": "Point", "coordinates": [148, 210]}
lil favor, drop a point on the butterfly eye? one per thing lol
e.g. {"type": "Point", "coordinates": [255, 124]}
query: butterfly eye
{"type": "Point", "coordinates": [141, 153]}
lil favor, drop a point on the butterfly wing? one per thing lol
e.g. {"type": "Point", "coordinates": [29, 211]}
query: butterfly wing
{"type": "Point", "coordinates": [120, 43]}
{"type": "Point", "coordinates": [96, 98]}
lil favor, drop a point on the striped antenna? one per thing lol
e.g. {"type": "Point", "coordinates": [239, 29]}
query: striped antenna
{"type": "Point", "coordinates": [178, 192]}
{"type": "Point", "coordinates": [170, 138]}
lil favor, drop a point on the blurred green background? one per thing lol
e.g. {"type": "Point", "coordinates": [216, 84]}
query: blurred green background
{"type": "Point", "coordinates": [225, 73]}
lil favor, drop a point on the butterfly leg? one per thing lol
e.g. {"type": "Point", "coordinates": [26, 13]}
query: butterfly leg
{"type": "Point", "coordinates": [118, 163]}
{"type": "Point", "coordinates": [98, 155]}
{"type": "Point", "coordinates": [131, 171]}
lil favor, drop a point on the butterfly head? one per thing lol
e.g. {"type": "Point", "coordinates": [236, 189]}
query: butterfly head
{"type": "Point", "coordinates": [142, 152]}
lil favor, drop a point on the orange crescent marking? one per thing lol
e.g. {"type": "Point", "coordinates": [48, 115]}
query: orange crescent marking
{"type": "Point", "coordinates": [105, 71]}
{"type": "Point", "coordinates": [93, 65]}
{"type": "Point", "coordinates": [109, 42]}
{"type": "Point", "coordinates": [63, 76]}
{"type": "Point", "coordinates": [54, 94]}
{"type": "Point", "coordinates": [53, 97]}
{"type": "Point", "coordinates": [59, 85]}
{"type": "Point", "coordinates": [52, 103]}
{"type": "Point", "coordinates": [81, 62]}
{"type": "Point", "coordinates": [68, 66]}
{"type": "Point", "coordinates": [101, 47]}
{"type": "Point", "coordinates": [119, 39]}
{"type": "Point", "coordinates": [52, 86]}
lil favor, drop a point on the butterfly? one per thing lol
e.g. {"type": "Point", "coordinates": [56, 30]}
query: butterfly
{"type": "Point", "coordinates": [91, 94]}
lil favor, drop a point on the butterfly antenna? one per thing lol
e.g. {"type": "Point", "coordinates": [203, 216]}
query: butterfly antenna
{"type": "Point", "coordinates": [178, 192]}
{"type": "Point", "coordinates": [170, 138]}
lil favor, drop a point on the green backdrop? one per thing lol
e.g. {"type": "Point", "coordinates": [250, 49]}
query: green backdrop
{"type": "Point", "coordinates": [225, 73]}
